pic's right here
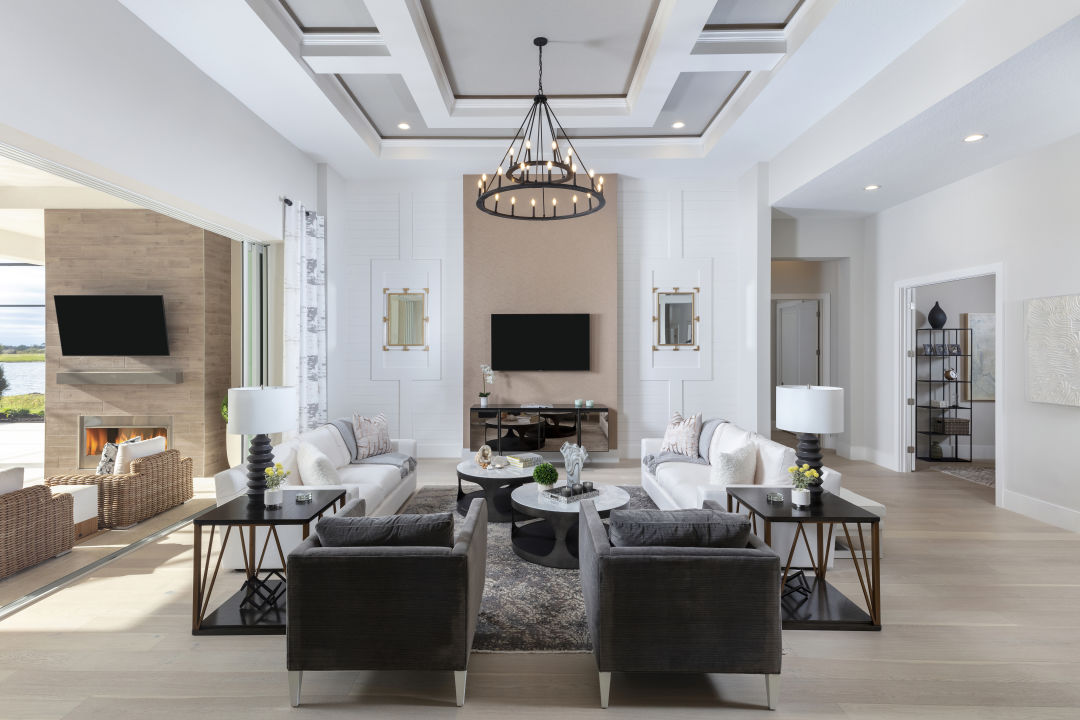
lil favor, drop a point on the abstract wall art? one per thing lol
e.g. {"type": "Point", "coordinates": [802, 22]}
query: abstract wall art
{"type": "Point", "coordinates": [1052, 330]}
{"type": "Point", "coordinates": [981, 367]}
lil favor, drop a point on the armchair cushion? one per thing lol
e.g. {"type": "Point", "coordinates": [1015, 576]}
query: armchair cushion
{"type": "Point", "coordinates": [107, 464]}
{"type": "Point", "coordinates": [434, 530]}
{"type": "Point", "coordinates": [129, 451]}
{"type": "Point", "coordinates": [679, 528]}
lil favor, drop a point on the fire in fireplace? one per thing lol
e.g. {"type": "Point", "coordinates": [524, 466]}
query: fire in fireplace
{"type": "Point", "coordinates": [96, 430]}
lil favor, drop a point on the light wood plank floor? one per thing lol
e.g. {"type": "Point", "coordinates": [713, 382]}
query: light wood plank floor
{"type": "Point", "coordinates": [980, 610]}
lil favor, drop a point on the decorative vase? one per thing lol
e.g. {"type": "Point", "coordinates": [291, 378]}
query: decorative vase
{"type": "Point", "coordinates": [273, 498]}
{"type": "Point", "coordinates": [937, 317]}
{"type": "Point", "coordinates": [483, 401]}
{"type": "Point", "coordinates": [541, 489]}
{"type": "Point", "coordinates": [800, 497]}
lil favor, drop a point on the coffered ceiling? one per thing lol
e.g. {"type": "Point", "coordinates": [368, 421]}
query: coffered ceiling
{"type": "Point", "coordinates": [656, 70]}
{"type": "Point", "coordinates": [375, 87]}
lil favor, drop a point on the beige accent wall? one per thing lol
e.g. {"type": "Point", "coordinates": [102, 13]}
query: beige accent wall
{"type": "Point", "coordinates": [562, 266]}
{"type": "Point", "coordinates": [141, 252]}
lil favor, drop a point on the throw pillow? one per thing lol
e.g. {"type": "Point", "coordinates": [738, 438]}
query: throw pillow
{"type": "Point", "coordinates": [315, 468]}
{"type": "Point", "coordinates": [11, 480]}
{"type": "Point", "coordinates": [372, 435]}
{"type": "Point", "coordinates": [681, 436]}
{"type": "Point", "coordinates": [435, 530]}
{"type": "Point", "coordinates": [733, 468]}
{"type": "Point", "coordinates": [107, 463]}
{"type": "Point", "coordinates": [128, 451]}
{"type": "Point", "coordinates": [679, 528]}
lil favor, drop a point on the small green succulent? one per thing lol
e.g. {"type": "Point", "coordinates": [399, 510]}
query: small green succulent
{"type": "Point", "coordinates": [545, 474]}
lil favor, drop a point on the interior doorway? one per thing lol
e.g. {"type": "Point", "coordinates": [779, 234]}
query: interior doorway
{"type": "Point", "coordinates": [950, 360]}
{"type": "Point", "coordinates": [798, 342]}
{"type": "Point", "coordinates": [801, 333]}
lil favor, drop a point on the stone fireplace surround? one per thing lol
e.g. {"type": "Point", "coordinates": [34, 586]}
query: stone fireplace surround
{"type": "Point", "coordinates": [136, 252]}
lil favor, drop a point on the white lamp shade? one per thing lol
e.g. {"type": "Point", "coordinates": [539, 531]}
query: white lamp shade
{"type": "Point", "coordinates": [810, 409]}
{"type": "Point", "coordinates": [262, 410]}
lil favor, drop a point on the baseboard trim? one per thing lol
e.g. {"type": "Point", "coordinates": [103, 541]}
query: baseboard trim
{"type": "Point", "coordinates": [438, 450]}
{"type": "Point", "coordinates": [1041, 510]}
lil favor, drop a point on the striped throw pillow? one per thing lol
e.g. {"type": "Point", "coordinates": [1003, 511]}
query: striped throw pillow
{"type": "Point", "coordinates": [681, 436]}
{"type": "Point", "coordinates": [372, 435]}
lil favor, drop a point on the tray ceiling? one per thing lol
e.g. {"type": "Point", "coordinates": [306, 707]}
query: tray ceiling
{"type": "Point", "coordinates": [466, 69]}
{"type": "Point", "coordinates": [486, 45]}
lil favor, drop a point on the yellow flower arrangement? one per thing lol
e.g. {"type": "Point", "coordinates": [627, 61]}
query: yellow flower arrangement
{"type": "Point", "coordinates": [275, 476]}
{"type": "Point", "coordinates": [804, 476]}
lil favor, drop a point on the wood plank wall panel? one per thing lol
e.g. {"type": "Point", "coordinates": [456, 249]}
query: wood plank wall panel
{"type": "Point", "coordinates": [140, 252]}
{"type": "Point", "coordinates": [568, 266]}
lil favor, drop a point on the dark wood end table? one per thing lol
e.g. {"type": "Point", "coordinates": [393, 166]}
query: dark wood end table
{"type": "Point", "coordinates": [815, 604]}
{"type": "Point", "coordinates": [258, 608]}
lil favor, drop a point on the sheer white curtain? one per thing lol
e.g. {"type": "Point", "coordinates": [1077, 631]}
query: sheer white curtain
{"type": "Point", "coordinates": [305, 311]}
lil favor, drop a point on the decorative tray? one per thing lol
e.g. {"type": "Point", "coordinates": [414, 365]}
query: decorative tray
{"type": "Point", "coordinates": [556, 495]}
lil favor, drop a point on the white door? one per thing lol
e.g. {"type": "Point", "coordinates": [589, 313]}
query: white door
{"type": "Point", "coordinates": [797, 337]}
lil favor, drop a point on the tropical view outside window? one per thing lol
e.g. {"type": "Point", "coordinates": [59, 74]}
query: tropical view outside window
{"type": "Point", "coordinates": [22, 366]}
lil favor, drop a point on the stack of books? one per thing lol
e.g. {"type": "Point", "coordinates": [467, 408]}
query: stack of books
{"type": "Point", "coordinates": [524, 460]}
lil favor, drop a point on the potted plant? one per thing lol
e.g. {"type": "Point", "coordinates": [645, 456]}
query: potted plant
{"type": "Point", "coordinates": [275, 478]}
{"type": "Point", "coordinates": [545, 476]}
{"type": "Point", "coordinates": [801, 480]}
{"type": "Point", "coordinates": [488, 377]}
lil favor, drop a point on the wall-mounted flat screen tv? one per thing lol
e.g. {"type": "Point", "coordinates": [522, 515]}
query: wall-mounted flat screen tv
{"type": "Point", "coordinates": [540, 342]}
{"type": "Point", "coordinates": [112, 324]}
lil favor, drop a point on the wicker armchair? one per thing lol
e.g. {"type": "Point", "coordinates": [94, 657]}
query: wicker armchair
{"type": "Point", "coordinates": [35, 525]}
{"type": "Point", "coordinates": [154, 485]}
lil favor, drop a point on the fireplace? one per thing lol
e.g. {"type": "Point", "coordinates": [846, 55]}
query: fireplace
{"type": "Point", "coordinates": [96, 430]}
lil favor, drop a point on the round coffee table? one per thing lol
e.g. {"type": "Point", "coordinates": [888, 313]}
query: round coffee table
{"type": "Point", "coordinates": [496, 485]}
{"type": "Point", "coordinates": [550, 537]}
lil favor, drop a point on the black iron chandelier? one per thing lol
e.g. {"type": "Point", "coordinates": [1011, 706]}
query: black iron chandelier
{"type": "Point", "coordinates": [541, 176]}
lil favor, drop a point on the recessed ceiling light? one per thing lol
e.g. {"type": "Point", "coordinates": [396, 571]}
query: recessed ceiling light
{"type": "Point", "coordinates": [872, 188]}
{"type": "Point", "coordinates": [403, 126]}
{"type": "Point", "coordinates": [974, 137]}
{"type": "Point", "coordinates": [678, 124]}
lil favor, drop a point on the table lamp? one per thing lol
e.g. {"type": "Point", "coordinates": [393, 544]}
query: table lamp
{"type": "Point", "coordinates": [259, 411]}
{"type": "Point", "coordinates": [807, 411]}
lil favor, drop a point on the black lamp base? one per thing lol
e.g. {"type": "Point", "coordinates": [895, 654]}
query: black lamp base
{"type": "Point", "coordinates": [808, 452]}
{"type": "Point", "coordinates": [259, 458]}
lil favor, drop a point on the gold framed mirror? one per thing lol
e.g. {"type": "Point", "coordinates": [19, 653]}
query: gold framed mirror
{"type": "Point", "coordinates": [676, 318]}
{"type": "Point", "coordinates": [405, 319]}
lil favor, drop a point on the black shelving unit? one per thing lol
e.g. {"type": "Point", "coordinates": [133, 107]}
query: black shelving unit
{"type": "Point", "coordinates": [932, 388]}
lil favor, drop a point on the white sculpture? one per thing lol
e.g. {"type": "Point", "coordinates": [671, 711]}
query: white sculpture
{"type": "Point", "coordinates": [483, 456]}
{"type": "Point", "coordinates": [574, 457]}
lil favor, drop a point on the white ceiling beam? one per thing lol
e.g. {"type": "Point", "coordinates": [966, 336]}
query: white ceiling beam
{"type": "Point", "coordinates": [58, 198]}
{"type": "Point", "coordinates": [810, 15]}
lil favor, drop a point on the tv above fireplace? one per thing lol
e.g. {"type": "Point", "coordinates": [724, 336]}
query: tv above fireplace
{"type": "Point", "coordinates": [540, 342]}
{"type": "Point", "coordinates": [112, 324]}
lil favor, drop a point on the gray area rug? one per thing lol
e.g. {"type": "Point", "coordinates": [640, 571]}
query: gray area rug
{"type": "Point", "coordinates": [978, 474]}
{"type": "Point", "coordinates": [526, 607]}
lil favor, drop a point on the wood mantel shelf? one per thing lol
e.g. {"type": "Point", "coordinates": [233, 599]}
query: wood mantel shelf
{"type": "Point", "coordinates": [119, 377]}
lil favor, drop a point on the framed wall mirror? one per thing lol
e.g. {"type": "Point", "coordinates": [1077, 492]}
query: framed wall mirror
{"type": "Point", "coordinates": [405, 319]}
{"type": "Point", "coordinates": [676, 318]}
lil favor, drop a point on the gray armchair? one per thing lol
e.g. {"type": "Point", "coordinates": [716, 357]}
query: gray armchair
{"type": "Point", "coordinates": [680, 609]}
{"type": "Point", "coordinates": [386, 608]}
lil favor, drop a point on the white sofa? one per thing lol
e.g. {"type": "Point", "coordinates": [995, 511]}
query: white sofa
{"type": "Point", "coordinates": [678, 485]}
{"type": "Point", "coordinates": [381, 486]}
